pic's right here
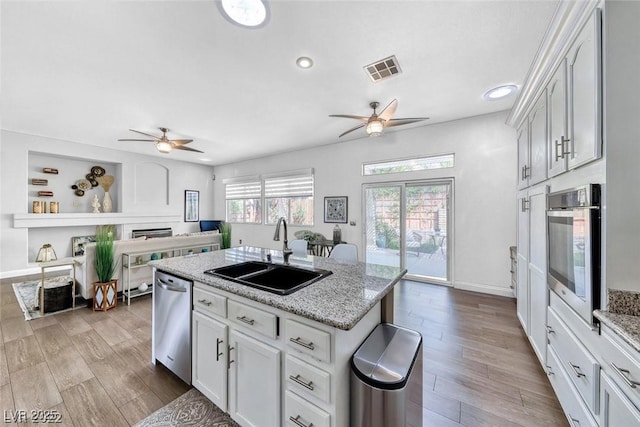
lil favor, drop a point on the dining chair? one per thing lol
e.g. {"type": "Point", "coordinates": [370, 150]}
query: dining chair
{"type": "Point", "coordinates": [299, 247]}
{"type": "Point", "coordinates": [345, 252]}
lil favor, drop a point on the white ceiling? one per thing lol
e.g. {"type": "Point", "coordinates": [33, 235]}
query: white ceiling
{"type": "Point", "coordinates": [86, 71]}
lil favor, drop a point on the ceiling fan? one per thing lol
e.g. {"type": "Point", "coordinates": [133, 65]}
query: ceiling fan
{"type": "Point", "coordinates": [164, 144]}
{"type": "Point", "coordinates": [377, 122]}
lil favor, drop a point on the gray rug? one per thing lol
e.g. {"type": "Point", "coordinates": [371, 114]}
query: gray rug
{"type": "Point", "coordinates": [190, 409]}
{"type": "Point", "coordinates": [26, 294]}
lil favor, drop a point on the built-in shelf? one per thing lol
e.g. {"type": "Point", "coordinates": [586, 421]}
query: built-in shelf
{"type": "Point", "coordinates": [30, 220]}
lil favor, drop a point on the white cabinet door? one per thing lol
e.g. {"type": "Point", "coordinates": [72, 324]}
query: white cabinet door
{"type": "Point", "coordinates": [522, 305]}
{"type": "Point", "coordinates": [538, 294]}
{"type": "Point", "coordinates": [585, 96]}
{"type": "Point", "coordinates": [524, 168]}
{"type": "Point", "coordinates": [254, 382]}
{"type": "Point", "coordinates": [209, 358]}
{"type": "Point", "coordinates": [557, 106]}
{"type": "Point", "coordinates": [538, 140]}
{"type": "Point", "coordinates": [615, 408]}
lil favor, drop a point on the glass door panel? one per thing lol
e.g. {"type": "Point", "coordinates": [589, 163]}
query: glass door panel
{"type": "Point", "coordinates": [426, 223]}
{"type": "Point", "coordinates": [382, 225]}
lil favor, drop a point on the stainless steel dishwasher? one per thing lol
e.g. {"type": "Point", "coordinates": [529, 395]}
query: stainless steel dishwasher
{"type": "Point", "coordinates": [172, 323]}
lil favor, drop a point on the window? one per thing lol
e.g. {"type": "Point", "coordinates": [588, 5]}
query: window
{"type": "Point", "coordinates": [289, 196]}
{"type": "Point", "coordinates": [243, 197]}
{"type": "Point", "coordinates": [409, 165]}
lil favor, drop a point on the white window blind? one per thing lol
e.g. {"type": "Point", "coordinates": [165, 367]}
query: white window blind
{"type": "Point", "coordinates": [243, 190]}
{"type": "Point", "coordinates": [288, 186]}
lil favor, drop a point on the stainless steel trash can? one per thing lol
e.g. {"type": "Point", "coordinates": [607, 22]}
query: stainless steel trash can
{"type": "Point", "coordinates": [384, 370]}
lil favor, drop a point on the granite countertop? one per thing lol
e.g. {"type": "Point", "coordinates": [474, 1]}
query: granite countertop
{"type": "Point", "coordinates": [625, 325]}
{"type": "Point", "coordinates": [339, 300]}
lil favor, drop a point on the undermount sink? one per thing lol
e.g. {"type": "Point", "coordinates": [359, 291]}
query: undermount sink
{"type": "Point", "coordinates": [276, 278]}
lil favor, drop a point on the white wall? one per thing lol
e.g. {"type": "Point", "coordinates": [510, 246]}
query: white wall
{"type": "Point", "coordinates": [21, 158]}
{"type": "Point", "coordinates": [485, 180]}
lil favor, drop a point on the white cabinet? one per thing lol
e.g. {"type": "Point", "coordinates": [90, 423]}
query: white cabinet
{"type": "Point", "coordinates": [538, 290]}
{"type": "Point", "coordinates": [538, 141]}
{"type": "Point", "coordinates": [209, 358]}
{"type": "Point", "coordinates": [585, 95]}
{"type": "Point", "coordinates": [615, 407]}
{"type": "Point", "coordinates": [254, 383]}
{"type": "Point", "coordinates": [524, 169]}
{"type": "Point", "coordinates": [557, 114]}
{"type": "Point", "coordinates": [522, 266]}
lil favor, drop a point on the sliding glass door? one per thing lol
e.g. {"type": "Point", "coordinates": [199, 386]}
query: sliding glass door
{"type": "Point", "coordinates": [407, 225]}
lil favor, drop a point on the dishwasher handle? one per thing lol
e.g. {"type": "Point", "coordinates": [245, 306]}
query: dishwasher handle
{"type": "Point", "coordinates": [168, 287]}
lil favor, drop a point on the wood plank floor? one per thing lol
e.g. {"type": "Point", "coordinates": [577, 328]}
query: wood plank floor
{"type": "Point", "coordinates": [93, 367]}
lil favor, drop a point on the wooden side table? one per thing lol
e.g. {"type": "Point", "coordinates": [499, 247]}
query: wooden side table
{"type": "Point", "coordinates": [58, 263]}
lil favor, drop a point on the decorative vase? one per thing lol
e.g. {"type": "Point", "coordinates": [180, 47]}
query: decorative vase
{"type": "Point", "coordinates": [107, 203]}
{"type": "Point", "coordinates": [337, 235]}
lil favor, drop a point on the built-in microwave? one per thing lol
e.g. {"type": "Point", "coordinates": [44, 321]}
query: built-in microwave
{"type": "Point", "coordinates": [573, 248]}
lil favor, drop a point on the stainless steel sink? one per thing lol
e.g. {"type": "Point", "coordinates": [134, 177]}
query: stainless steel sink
{"type": "Point", "coordinates": [276, 278]}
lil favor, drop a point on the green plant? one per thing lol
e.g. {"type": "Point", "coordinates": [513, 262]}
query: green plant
{"type": "Point", "coordinates": [225, 231]}
{"type": "Point", "coordinates": [105, 264]}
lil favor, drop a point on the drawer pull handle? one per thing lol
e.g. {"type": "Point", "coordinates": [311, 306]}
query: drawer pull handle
{"type": "Point", "coordinates": [625, 378]}
{"type": "Point", "coordinates": [230, 361]}
{"type": "Point", "coordinates": [574, 422]}
{"type": "Point", "coordinates": [218, 353]}
{"type": "Point", "coordinates": [300, 342]}
{"type": "Point", "coordinates": [246, 320]}
{"type": "Point", "coordinates": [296, 421]}
{"type": "Point", "coordinates": [205, 302]}
{"type": "Point", "coordinates": [576, 370]}
{"type": "Point", "coordinates": [298, 379]}
{"type": "Point", "coordinates": [550, 330]}
{"type": "Point", "coordinates": [550, 370]}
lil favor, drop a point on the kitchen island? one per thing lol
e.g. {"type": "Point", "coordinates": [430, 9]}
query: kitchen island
{"type": "Point", "coordinates": [272, 360]}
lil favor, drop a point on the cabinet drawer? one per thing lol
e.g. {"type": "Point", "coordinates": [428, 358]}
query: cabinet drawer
{"type": "Point", "coordinates": [581, 367]}
{"type": "Point", "coordinates": [254, 319]}
{"type": "Point", "coordinates": [620, 365]}
{"type": "Point", "coordinates": [307, 379]}
{"type": "Point", "coordinates": [300, 413]}
{"type": "Point", "coordinates": [572, 404]}
{"type": "Point", "coordinates": [309, 340]}
{"type": "Point", "coordinates": [207, 302]}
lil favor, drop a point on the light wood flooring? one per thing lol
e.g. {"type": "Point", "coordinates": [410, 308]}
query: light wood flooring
{"type": "Point", "coordinates": [93, 367]}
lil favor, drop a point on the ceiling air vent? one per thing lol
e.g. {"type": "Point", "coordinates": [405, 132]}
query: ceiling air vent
{"type": "Point", "coordinates": [383, 69]}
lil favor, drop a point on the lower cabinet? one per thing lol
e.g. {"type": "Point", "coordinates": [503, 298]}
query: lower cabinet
{"type": "Point", "coordinates": [615, 407]}
{"type": "Point", "coordinates": [209, 358]}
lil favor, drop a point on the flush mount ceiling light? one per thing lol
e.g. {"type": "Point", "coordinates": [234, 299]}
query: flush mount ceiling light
{"type": "Point", "coordinates": [500, 92]}
{"type": "Point", "coordinates": [245, 13]}
{"type": "Point", "coordinates": [304, 62]}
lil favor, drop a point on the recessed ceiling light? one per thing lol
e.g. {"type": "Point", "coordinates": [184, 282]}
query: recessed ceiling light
{"type": "Point", "coordinates": [500, 92]}
{"type": "Point", "coordinates": [304, 62]}
{"type": "Point", "coordinates": [245, 13]}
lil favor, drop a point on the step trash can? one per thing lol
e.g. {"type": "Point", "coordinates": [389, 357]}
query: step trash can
{"type": "Point", "coordinates": [385, 371]}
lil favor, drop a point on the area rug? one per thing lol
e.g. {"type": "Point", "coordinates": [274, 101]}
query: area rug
{"type": "Point", "coordinates": [26, 294]}
{"type": "Point", "coordinates": [190, 409]}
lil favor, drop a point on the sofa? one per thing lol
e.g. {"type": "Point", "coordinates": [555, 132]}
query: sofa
{"type": "Point", "coordinates": [85, 270]}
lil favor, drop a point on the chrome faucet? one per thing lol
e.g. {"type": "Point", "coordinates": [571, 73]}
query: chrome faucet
{"type": "Point", "coordinates": [286, 252]}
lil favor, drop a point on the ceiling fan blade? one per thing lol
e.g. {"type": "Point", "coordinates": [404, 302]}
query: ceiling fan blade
{"type": "Point", "coordinates": [182, 147]}
{"type": "Point", "coordinates": [155, 138]}
{"type": "Point", "coordinates": [388, 111]}
{"type": "Point", "coordinates": [400, 122]}
{"type": "Point", "coordinates": [351, 130]}
{"type": "Point", "coordinates": [180, 141]}
{"type": "Point", "coordinates": [350, 116]}
{"type": "Point", "coordinates": [145, 140]}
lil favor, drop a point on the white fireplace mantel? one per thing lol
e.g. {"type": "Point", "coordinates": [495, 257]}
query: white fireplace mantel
{"type": "Point", "coordinates": [30, 220]}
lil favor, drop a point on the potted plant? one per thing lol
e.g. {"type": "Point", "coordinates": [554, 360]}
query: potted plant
{"type": "Point", "coordinates": [105, 291]}
{"type": "Point", "coordinates": [225, 232]}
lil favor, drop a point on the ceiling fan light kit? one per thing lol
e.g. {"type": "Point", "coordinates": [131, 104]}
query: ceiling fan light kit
{"type": "Point", "coordinates": [374, 127]}
{"type": "Point", "coordinates": [164, 144]}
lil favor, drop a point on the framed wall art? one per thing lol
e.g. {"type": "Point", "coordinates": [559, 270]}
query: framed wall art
{"type": "Point", "coordinates": [335, 209]}
{"type": "Point", "coordinates": [78, 242]}
{"type": "Point", "coordinates": [191, 206]}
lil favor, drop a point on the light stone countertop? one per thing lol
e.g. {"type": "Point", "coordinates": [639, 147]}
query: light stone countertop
{"type": "Point", "coordinates": [339, 300]}
{"type": "Point", "coordinates": [626, 326]}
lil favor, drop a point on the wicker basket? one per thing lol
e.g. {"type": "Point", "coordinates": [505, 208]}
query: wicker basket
{"type": "Point", "coordinates": [57, 294]}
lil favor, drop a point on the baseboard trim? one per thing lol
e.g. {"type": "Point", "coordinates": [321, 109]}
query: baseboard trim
{"type": "Point", "coordinates": [485, 289]}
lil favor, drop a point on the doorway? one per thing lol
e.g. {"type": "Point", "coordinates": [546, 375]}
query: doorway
{"type": "Point", "coordinates": [408, 225]}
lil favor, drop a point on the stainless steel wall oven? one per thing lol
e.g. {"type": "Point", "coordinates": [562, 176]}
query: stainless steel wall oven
{"type": "Point", "coordinates": [573, 231]}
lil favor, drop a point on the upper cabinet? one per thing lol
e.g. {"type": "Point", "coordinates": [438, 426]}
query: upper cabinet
{"type": "Point", "coordinates": [564, 121]}
{"type": "Point", "coordinates": [584, 78]}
